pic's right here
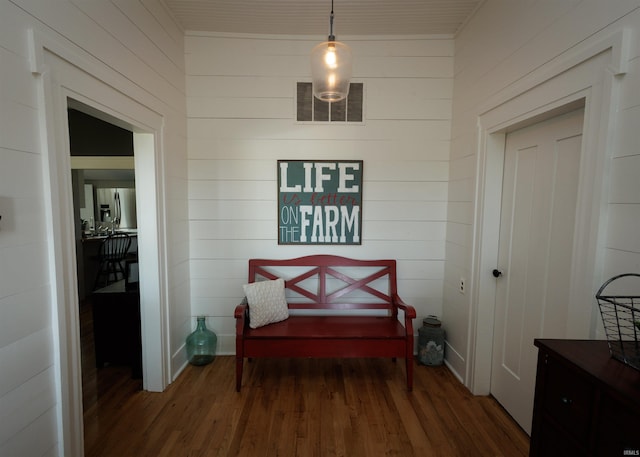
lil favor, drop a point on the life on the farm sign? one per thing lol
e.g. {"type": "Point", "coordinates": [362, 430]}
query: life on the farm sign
{"type": "Point", "coordinates": [319, 201]}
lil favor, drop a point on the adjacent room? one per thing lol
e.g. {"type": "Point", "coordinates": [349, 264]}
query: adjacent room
{"type": "Point", "coordinates": [482, 155]}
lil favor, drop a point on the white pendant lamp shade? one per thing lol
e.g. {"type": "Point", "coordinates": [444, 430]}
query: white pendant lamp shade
{"type": "Point", "coordinates": [331, 64]}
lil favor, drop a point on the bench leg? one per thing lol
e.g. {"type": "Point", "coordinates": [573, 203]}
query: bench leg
{"type": "Point", "coordinates": [409, 363]}
{"type": "Point", "coordinates": [239, 364]}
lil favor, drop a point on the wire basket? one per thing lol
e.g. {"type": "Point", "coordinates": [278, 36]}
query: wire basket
{"type": "Point", "coordinates": [621, 319]}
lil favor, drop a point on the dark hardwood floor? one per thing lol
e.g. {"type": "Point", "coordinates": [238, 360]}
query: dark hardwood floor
{"type": "Point", "coordinates": [296, 407]}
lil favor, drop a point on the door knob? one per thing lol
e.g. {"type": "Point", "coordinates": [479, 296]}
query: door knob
{"type": "Point", "coordinates": [496, 273]}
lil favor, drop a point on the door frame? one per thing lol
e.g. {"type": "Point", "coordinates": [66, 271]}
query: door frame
{"type": "Point", "coordinates": [586, 76]}
{"type": "Point", "coordinates": [65, 73]}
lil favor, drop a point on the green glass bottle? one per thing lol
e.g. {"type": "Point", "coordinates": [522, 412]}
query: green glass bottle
{"type": "Point", "coordinates": [201, 344]}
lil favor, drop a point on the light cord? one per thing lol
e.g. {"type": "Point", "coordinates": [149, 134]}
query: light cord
{"type": "Point", "coordinates": [331, 36]}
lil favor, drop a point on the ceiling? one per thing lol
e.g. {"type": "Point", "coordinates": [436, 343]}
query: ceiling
{"type": "Point", "coordinates": [311, 17]}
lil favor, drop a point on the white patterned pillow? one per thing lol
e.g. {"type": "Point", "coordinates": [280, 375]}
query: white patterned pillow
{"type": "Point", "coordinates": [267, 303]}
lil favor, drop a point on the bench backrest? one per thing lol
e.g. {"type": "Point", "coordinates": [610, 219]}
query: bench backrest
{"type": "Point", "coordinates": [329, 282]}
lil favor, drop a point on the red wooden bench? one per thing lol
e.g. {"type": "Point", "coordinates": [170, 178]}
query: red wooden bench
{"type": "Point", "coordinates": [338, 307]}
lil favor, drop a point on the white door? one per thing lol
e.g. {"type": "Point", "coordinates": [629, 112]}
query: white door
{"type": "Point", "coordinates": [539, 192]}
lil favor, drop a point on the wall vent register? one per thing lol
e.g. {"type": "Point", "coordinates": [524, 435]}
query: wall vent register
{"type": "Point", "coordinates": [312, 109]}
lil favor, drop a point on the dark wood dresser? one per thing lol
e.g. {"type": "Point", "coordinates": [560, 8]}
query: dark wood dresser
{"type": "Point", "coordinates": [586, 403]}
{"type": "Point", "coordinates": [117, 328]}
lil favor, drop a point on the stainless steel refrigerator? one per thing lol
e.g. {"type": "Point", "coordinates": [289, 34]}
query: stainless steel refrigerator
{"type": "Point", "coordinates": [116, 206]}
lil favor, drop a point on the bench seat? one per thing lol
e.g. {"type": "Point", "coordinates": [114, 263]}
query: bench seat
{"type": "Point", "coordinates": [374, 323]}
{"type": "Point", "coordinates": [322, 327]}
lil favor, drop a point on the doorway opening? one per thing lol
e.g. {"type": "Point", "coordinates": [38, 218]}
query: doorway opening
{"type": "Point", "coordinates": [583, 77]}
{"type": "Point", "coordinates": [535, 254]}
{"type": "Point", "coordinates": [65, 79]}
{"type": "Point", "coordinates": [106, 239]}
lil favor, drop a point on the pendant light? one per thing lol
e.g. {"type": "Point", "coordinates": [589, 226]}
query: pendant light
{"type": "Point", "coordinates": [331, 68]}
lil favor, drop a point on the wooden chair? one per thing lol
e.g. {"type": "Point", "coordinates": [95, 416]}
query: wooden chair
{"type": "Point", "coordinates": [113, 251]}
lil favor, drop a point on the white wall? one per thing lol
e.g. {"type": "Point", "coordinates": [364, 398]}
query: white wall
{"type": "Point", "coordinates": [241, 119]}
{"type": "Point", "coordinates": [136, 42]}
{"type": "Point", "coordinates": [505, 43]}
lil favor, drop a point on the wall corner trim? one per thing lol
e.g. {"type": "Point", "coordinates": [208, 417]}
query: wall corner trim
{"type": "Point", "coordinates": [35, 52]}
{"type": "Point", "coordinates": [39, 42]}
{"type": "Point", "coordinates": [621, 44]}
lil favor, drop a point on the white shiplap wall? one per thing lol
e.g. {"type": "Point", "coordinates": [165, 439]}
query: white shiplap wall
{"type": "Point", "coordinates": [622, 254]}
{"type": "Point", "coordinates": [241, 120]}
{"type": "Point", "coordinates": [139, 43]}
{"type": "Point", "coordinates": [523, 38]}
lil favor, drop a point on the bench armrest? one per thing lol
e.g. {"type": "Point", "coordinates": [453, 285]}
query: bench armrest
{"type": "Point", "coordinates": [241, 315]}
{"type": "Point", "coordinates": [409, 313]}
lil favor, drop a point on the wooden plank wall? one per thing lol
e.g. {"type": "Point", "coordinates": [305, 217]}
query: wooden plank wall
{"type": "Point", "coordinates": [623, 235]}
{"type": "Point", "coordinates": [241, 120]}
{"type": "Point", "coordinates": [140, 42]}
{"type": "Point", "coordinates": [521, 39]}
